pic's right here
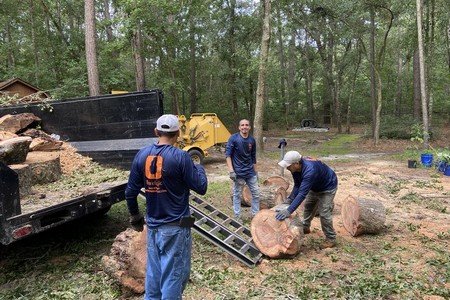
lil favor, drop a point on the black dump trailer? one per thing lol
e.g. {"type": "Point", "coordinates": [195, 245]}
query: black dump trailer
{"type": "Point", "coordinates": [108, 128]}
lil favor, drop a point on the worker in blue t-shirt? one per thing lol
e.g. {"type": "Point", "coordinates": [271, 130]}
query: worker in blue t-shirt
{"type": "Point", "coordinates": [315, 183]}
{"type": "Point", "coordinates": [167, 174]}
{"type": "Point", "coordinates": [241, 161]}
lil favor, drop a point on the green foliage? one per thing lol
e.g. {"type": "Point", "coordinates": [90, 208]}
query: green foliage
{"type": "Point", "coordinates": [396, 128]}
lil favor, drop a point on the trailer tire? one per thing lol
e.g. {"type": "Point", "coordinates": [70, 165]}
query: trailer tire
{"type": "Point", "coordinates": [196, 156]}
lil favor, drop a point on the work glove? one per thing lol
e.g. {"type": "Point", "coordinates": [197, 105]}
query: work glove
{"type": "Point", "coordinates": [281, 215]}
{"type": "Point", "coordinates": [233, 176]}
{"type": "Point", "coordinates": [137, 222]}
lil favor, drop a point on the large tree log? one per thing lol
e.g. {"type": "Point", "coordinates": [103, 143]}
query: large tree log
{"type": "Point", "coordinates": [361, 215]}
{"type": "Point", "coordinates": [274, 238]}
{"type": "Point", "coordinates": [127, 260]}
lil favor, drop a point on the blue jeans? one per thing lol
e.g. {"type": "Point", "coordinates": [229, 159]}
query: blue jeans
{"type": "Point", "coordinates": [323, 203]}
{"type": "Point", "coordinates": [168, 262]}
{"type": "Point", "coordinates": [239, 183]}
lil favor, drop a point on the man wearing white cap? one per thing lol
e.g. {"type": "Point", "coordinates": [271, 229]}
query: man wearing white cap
{"type": "Point", "coordinates": [167, 174]}
{"type": "Point", "coordinates": [315, 183]}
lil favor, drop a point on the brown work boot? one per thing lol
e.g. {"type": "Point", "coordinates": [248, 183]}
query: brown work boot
{"type": "Point", "coordinates": [306, 230]}
{"type": "Point", "coordinates": [327, 244]}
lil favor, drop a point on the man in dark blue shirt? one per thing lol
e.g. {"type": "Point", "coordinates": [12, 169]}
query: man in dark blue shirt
{"type": "Point", "coordinates": [241, 161]}
{"type": "Point", "coordinates": [167, 174]}
{"type": "Point", "coordinates": [316, 184]}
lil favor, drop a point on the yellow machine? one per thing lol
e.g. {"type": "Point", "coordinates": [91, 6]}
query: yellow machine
{"type": "Point", "coordinates": [200, 132]}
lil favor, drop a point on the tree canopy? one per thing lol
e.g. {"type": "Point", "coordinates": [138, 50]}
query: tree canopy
{"type": "Point", "coordinates": [334, 61]}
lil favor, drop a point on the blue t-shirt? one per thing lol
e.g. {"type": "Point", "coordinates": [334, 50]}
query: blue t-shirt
{"type": "Point", "coordinates": [314, 176]}
{"type": "Point", "coordinates": [167, 174]}
{"type": "Point", "coordinates": [243, 154]}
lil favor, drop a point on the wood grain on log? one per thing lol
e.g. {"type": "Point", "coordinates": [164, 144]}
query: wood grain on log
{"type": "Point", "coordinates": [275, 238]}
{"type": "Point", "coordinates": [361, 215]}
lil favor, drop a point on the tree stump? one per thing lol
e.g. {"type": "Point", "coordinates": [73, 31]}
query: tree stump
{"type": "Point", "coordinates": [127, 260]}
{"type": "Point", "coordinates": [363, 215]}
{"type": "Point", "coordinates": [274, 238]}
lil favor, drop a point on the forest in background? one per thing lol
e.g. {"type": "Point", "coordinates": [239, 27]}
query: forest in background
{"type": "Point", "coordinates": [330, 60]}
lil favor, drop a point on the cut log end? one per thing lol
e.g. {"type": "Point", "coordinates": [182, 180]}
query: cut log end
{"type": "Point", "coordinates": [275, 238]}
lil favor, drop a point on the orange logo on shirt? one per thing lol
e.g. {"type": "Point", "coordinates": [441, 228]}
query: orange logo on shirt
{"type": "Point", "coordinates": [153, 167]}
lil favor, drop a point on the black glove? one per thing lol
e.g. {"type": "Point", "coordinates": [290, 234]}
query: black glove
{"type": "Point", "coordinates": [233, 176]}
{"type": "Point", "coordinates": [137, 222]}
{"type": "Point", "coordinates": [282, 214]}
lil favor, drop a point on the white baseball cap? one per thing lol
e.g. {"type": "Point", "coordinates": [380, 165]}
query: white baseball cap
{"type": "Point", "coordinates": [289, 158]}
{"type": "Point", "coordinates": [167, 123]}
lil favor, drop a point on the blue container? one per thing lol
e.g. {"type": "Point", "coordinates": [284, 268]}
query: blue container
{"type": "Point", "coordinates": [426, 159]}
{"type": "Point", "coordinates": [447, 171]}
{"type": "Point", "coordinates": [442, 166]}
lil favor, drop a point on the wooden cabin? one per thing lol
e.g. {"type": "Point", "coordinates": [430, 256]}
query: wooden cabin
{"type": "Point", "coordinates": [22, 90]}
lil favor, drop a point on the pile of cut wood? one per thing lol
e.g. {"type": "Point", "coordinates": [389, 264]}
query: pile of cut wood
{"type": "Point", "coordinates": [31, 153]}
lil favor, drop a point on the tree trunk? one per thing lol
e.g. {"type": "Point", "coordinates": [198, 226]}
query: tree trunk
{"type": "Point", "coordinates": [363, 215]}
{"type": "Point", "coordinates": [291, 77]}
{"type": "Point", "coordinates": [372, 70]}
{"type": "Point", "coordinates": [282, 61]}
{"type": "Point", "coordinates": [91, 48]}
{"type": "Point", "coordinates": [416, 87]}
{"type": "Point", "coordinates": [274, 238]}
{"type": "Point", "coordinates": [399, 93]}
{"type": "Point", "coordinates": [138, 60]}
{"type": "Point", "coordinates": [261, 90]}
{"type": "Point", "coordinates": [423, 93]}
{"type": "Point", "coordinates": [193, 66]}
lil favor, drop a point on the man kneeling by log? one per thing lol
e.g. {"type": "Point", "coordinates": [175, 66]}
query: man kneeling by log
{"type": "Point", "coordinates": [316, 184]}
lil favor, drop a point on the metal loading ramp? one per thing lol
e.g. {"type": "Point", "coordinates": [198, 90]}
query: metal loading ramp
{"type": "Point", "coordinates": [223, 231]}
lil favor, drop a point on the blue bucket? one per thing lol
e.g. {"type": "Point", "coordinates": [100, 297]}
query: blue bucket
{"type": "Point", "coordinates": [447, 170]}
{"type": "Point", "coordinates": [442, 166]}
{"type": "Point", "coordinates": [426, 159]}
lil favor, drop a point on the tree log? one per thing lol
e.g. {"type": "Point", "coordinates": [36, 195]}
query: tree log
{"type": "Point", "coordinates": [45, 166]}
{"type": "Point", "coordinates": [127, 260]}
{"type": "Point", "coordinates": [271, 193]}
{"type": "Point", "coordinates": [269, 196]}
{"type": "Point", "coordinates": [363, 215]}
{"type": "Point", "coordinates": [25, 178]}
{"type": "Point", "coordinates": [274, 238]}
{"type": "Point", "coordinates": [277, 181]}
